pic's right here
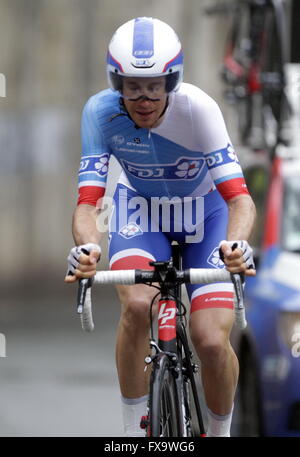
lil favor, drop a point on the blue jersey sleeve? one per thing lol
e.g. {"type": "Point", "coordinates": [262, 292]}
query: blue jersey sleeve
{"type": "Point", "coordinates": [94, 162]}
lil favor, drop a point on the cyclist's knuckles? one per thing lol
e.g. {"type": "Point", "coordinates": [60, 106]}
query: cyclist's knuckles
{"type": "Point", "coordinates": [86, 268]}
{"type": "Point", "coordinates": [236, 254]}
{"type": "Point", "coordinates": [84, 274]}
{"type": "Point", "coordinates": [84, 259]}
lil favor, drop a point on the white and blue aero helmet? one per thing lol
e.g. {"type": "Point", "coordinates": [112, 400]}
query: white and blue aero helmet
{"type": "Point", "coordinates": [145, 47]}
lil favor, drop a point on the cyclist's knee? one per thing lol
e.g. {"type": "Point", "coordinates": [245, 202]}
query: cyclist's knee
{"type": "Point", "coordinates": [135, 306]}
{"type": "Point", "coordinates": [211, 344]}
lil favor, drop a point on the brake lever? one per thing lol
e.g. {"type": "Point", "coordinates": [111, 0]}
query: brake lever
{"type": "Point", "coordinates": [83, 285]}
{"type": "Point", "coordinates": [238, 280]}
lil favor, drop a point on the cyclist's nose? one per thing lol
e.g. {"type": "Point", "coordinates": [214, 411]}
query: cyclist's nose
{"type": "Point", "coordinates": [145, 101]}
{"type": "Point", "coordinates": [145, 96]}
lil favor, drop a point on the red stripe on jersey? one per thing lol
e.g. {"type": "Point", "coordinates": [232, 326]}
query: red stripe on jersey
{"type": "Point", "coordinates": [233, 188]}
{"type": "Point", "coordinates": [212, 300]}
{"type": "Point", "coordinates": [132, 262]}
{"type": "Point", "coordinates": [89, 195]}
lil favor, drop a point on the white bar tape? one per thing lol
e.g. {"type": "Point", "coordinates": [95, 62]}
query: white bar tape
{"type": "Point", "coordinates": [240, 319]}
{"type": "Point", "coordinates": [206, 276]}
{"type": "Point", "coordinates": [239, 315]}
{"type": "Point", "coordinates": [86, 316]}
{"type": "Point", "coordinates": [115, 277]}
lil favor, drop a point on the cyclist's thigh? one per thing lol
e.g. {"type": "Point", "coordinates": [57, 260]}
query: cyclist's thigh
{"type": "Point", "coordinates": [133, 240]}
{"type": "Point", "coordinates": [206, 255]}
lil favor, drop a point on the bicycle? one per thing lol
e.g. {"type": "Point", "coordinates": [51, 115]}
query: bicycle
{"type": "Point", "coordinates": [172, 382]}
{"type": "Point", "coordinates": [253, 69]}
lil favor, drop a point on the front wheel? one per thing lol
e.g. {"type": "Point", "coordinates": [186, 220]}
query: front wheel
{"type": "Point", "coordinates": [251, 423]}
{"type": "Point", "coordinates": [164, 404]}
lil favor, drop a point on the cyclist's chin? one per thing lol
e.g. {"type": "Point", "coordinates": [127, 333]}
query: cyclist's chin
{"type": "Point", "coordinates": [145, 120]}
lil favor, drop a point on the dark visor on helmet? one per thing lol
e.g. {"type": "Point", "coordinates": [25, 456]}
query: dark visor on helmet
{"type": "Point", "coordinates": [153, 92]}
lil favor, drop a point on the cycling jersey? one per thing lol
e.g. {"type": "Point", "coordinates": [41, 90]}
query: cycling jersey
{"type": "Point", "coordinates": [188, 154]}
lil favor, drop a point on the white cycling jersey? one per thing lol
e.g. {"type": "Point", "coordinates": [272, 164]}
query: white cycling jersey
{"type": "Point", "coordinates": [188, 154]}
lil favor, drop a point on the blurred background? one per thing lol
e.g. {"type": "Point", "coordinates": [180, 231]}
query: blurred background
{"type": "Point", "coordinates": [53, 57]}
{"type": "Point", "coordinates": [55, 380]}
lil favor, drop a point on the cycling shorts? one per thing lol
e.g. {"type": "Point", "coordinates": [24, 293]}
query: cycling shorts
{"type": "Point", "coordinates": [142, 230]}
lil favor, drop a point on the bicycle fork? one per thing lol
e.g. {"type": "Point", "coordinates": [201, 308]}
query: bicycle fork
{"type": "Point", "coordinates": [167, 346]}
{"type": "Point", "coordinates": [167, 342]}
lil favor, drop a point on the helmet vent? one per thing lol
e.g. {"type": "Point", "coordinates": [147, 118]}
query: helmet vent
{"type": "Point", "coordinates": [143, 64]}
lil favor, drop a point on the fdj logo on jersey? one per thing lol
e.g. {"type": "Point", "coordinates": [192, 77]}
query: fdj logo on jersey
{"type": "Point", "coordinates": [94, 164]}
{"type": "Point", "coordinates": [221, 157]}
{"type": "Point", "coordinates": [184, 168]}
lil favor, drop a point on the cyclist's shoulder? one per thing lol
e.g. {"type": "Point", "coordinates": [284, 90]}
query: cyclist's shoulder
{"type": "Point", "coordinates": [198, 99]}
{"type": "Point", "coordinates": [101, 103]}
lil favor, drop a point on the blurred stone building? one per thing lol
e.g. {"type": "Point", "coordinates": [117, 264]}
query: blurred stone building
{"type": "Point", "coordinates": [52, 53]}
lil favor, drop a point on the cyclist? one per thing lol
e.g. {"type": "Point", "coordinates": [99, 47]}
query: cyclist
{"type": "Point", "coordinates": [181, 180]}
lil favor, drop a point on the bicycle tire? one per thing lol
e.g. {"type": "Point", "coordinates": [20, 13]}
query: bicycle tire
{"type": "Point", "coordinates": [164, 403]}
{"type": "Point", "coordinates": [193, 414]}
{"type": "Point", "coordinates": [273, 65]}
{"type": "Point", "coordinates": [258, 43]}
{"type": "Point", "coordinates": [235, 69]}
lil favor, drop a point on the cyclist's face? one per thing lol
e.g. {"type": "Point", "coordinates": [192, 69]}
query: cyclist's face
{"type": "Point", "coordinates": [145, 99]}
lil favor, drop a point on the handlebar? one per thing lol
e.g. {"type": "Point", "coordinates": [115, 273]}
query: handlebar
{"type": "Point", "coordinates": [130, 277]}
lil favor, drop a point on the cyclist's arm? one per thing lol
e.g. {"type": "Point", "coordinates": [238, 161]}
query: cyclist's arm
{"type": "Point", "coordinates": [87, 236]}
{"type": "Point", "coordinates": [91, 185]}
{"type": "Point", "coordinates": [242, 214]}
{"type": "Point", "coordinates": [228, 178]}
{"type": "Point", "coordinates": [84, 225]}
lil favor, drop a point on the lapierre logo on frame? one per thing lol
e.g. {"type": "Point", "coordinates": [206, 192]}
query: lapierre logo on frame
{"type": "Point", "coordinates": [2, 85]}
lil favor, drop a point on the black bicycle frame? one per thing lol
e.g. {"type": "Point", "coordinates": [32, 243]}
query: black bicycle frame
{"type": "Point", "coordinates": [172, 338]}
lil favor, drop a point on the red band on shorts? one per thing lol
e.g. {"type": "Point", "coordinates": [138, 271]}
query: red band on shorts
{"type": "Point", "coordinates": [212, 300]}
{"type": "Point", "coordinates": [132, 262]}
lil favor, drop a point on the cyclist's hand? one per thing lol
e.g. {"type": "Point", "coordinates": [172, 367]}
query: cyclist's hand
{"type": "Point", "coordinates": [82, 262]}
{"type": "Point", "coordinates": [238, 257]}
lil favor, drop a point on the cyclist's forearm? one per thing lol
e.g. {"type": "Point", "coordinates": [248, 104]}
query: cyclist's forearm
{"type": "Point", "coordinates": [84, 225]}
{"type": "Point", "coordinates": [242, 215]}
